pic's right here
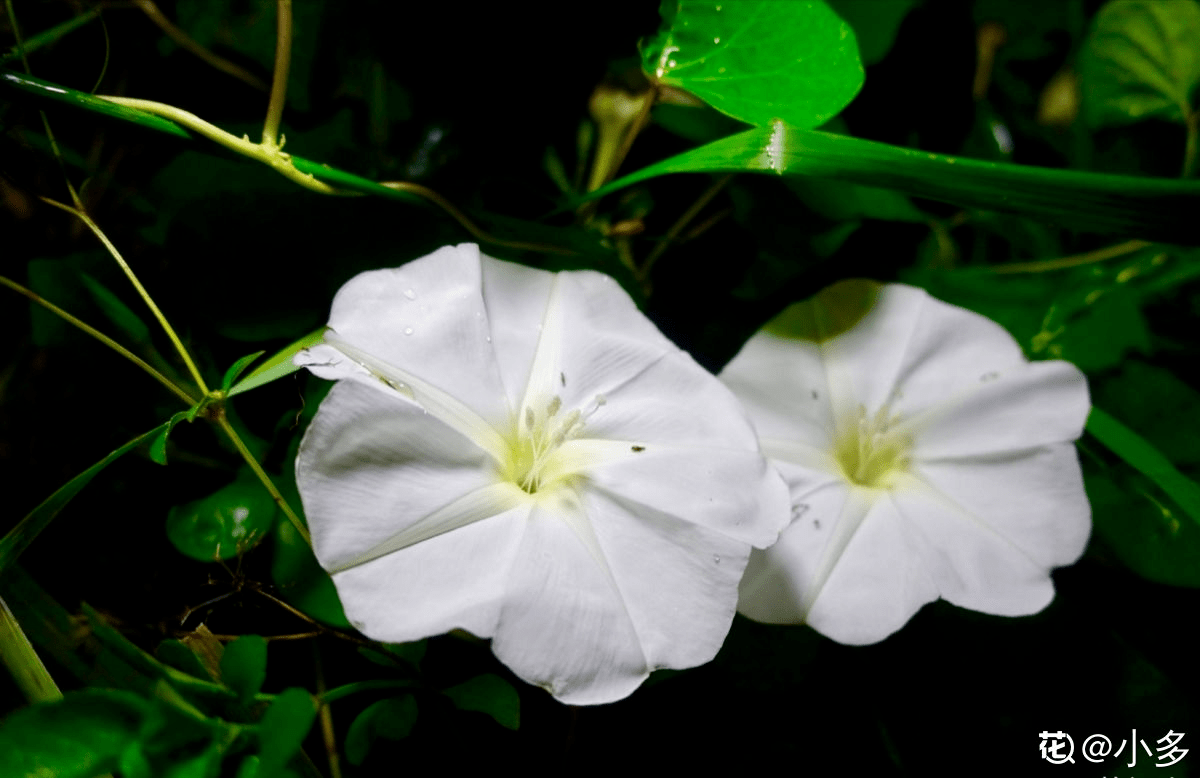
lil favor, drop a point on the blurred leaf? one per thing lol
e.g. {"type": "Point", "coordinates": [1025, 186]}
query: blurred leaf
{"type": "Point", "coordinates": [1096, 335]}
{"type": "Point", "coordinates": [839, 200]}
{"type": "Point", "coordinates": [278, 364]}
{"type": "Point", "coordinates": [875, 24]}
{"type": "Point", "coordinates": [82, 735]}
{"type": "Point", "coordinates": [236, 369]}
{"type": "Point", "coordinates": [18, 655]}
{"type": "Point", "coordinates": [282, 730]}
{"type": "Point", "coordinates": [19, 537]}
{"type": "Point", "coordinates": [179, 655]}
{"type": "Point", "coordinates": [301, 580]}
{"type": "Point", "coordinates": [757, 60]}
{"type": "Point", "coordinates": [489, 694]}
{"type": "Point", "coordinates": [228, 522]}
{"type": "Point", "coordinates": [1153, 208]}
{"type": "Point", "coordinates": [1141, 60]}
{"type": "Point", "coordinates": [701, 124]}
{"type": "Point", "coordinates": [1142, 530]}
{"type": "Point", "coordinates": [392, 719]}
{"type": "Point", "coordinates": [1146, 459]}
{"type": "Point", "coordinates": [117, 312]}
{"type": "Point", "coordinates": [244, 666]}
{"type": "Point", "coordinates": [60, 281]}
{"type": "Point", "coordinates": [1163, 408]}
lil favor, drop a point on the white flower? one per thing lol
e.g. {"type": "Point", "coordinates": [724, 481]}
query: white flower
{"type": "Point", "coordinates": [926, 458]}
{"type": "Point", "coordinates": [522, 455]}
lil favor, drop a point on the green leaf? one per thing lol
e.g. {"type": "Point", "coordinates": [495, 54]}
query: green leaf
{"type": "Point", "coordinates": [82, 735]}
{"type": "Point", "coordinates": [236, 369]}
{"type": "Point", "coordinates": [1141, 60]}
{"type": "Point", "coordinates": [758, 60]}
{"type": "Point", "coordinates": [1152, 208]}
{"type": "Point", "coordinates": [278, 364]}
{"type": "Point", "coordinates": [1142, 530]}
{"type": "Point", "coordinates": [158, 447]}
{"type": "Point", "coordinates": [117, 312]}
{"type": "Point", "coordinates": [244, 665]}
{"type": "Point", "coordinates": [228, 522]}
{"type": "Point", "coordinates": [18, 655]}
{"type": "Point", "coordinates": [875, 24]}
{"type": "Point", "coordinates": [282, 730]}
{"type": "Point", "coordinates": [302, 582]}
{"type": "Point", "coordinates": [489, 694]}
{"type": "Point", "coordinates": [392, 719]}
{"type": "Point", "coordinates": [19, 537]}
{"type": "Point", "coordinates": [1146, 459]}
{"type": "Point", "coordinates": [179, 655]}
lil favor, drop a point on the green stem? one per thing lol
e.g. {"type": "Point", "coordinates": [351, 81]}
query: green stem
{"type": "Point", "coordinates": [279, 82]}
{"type": "Point", "coordinates": [141, 290]}
{"type": "Point", "coordinates": [186, 42]}
{"type": "Point", "coordinates": [100, 336]}
{"type": "Point", "coordinates": [223, 422]}
{"type": "Point", "coordinates": [364, 686]}
{"type": "Point", "coordinates": [691, 213]}
{"type": "Point", "coordinates": [1063, 263]}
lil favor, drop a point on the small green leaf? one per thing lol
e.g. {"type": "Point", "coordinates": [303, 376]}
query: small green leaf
{"type": "Point", "coordinates": [392, 719]}
{"type": "Point", "coordinates": [758, 60]}
{"type": "Point", "coordinates": [1146, 459]}
{"type": "Point", "coordinates": [80, 736]}
{"type": "Point", "coordinates": [278, 365]}
{"type": "Point", "coordinates": [244, 666]}
{"type": "Point", "coordinates": [158, 447]}
{"type": "Point", "coordinates": [20, 536]}
{"type": "Point", "coordinates": [282, 730]}
{"type": "Point", "coordinates": [236, 369]}
{"type": "Point", "coordinates": [1141, 60]}
{"type": "Point", "coordinates": [230, 521]}
{"type": "Point", "coordinates": [489, 694]}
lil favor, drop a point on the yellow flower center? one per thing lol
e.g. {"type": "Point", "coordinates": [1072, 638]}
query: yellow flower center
{"type": "Point", "coordinates": [537, 437]}
{"type": "Point", "coordinates": [871, 450]}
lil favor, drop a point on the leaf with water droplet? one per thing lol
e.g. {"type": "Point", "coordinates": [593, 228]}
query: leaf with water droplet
{"type": "Point", "coordinates": [758, 60]}
{"type": "Point", "coordinates": [228, 521]}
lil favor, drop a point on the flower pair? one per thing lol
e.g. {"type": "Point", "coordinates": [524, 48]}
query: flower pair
{"type": "Point", "coordinates": [522, 455]}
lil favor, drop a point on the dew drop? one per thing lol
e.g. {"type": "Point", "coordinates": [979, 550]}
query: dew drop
{"type": "Point", "coordinates": [716, 40]}
{"type": "Point", "coordinates": [408, 330]}
{"type": "Point", "coordinates": [488, 338]}
{"type": "Point", "coordinates": [717, 558]}
{"type": "Point", "coordinates": [410, 294]}
{"type": "Point", "coordinates": [670, 63]}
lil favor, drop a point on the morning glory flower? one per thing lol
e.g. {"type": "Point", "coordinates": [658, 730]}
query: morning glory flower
{"type": "Point", "coordinates": [523, 455]}
{"type": "Point", "coordinates": [925, 456]}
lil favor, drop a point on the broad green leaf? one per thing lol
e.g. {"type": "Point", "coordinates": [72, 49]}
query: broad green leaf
{"type": "Point", "coordinates": [236, 369]}
{"type": "Point", "coordinates": [277, 365]}
{"type": "Point", "coordinates": [392, 719]}
{"type": "Point", "coordinates": [489, 694]}
{"type": "Point", "coordinates": [20, 536]}
{"type": "Point", "coordinates": [282, 730]}
{"type": "Point", "coordinates": [80, 736]}
{"type": "Point", "coordinates": [875, 24]}
{"type": "Point", "coordinates": [1150, 208]}
{"type": "Point", "coordinates": [228, 522]}
{"type": "Point", "coordinates": [244, 665]}
{"type": "Point", "coordinates": [1146, 459]}
{"type": "Point", "coordinates": [1141, 60]}
{"type": "Point", "coordinates": [757, 60]}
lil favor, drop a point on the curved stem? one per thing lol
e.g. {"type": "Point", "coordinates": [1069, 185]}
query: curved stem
{"type": "Point", "coordinates": [100, 336]}
{"type": "Point", "coordinates": [141, 290]}
{"type": "Point", "coordinates": [223, 422]}
{"type": "Point", "coordinates": [1047, 265]}
{"type": "Point", "coordinates": [186, 42]}
{"type": "Point", "coordinates": [691, 213]}
{"type": "Point", "coordinates": [279, 80]}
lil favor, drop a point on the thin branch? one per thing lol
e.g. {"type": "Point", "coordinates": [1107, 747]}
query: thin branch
{"type": "Point", "coordinates": [188, 43]}
{"type": "Point", "coordinates": [100, 336]}
{"type": "Point", "coordinates": [279, 79]}
{"type": "Point", "coordinates": [1047, 265]}
{"type": "Point", "coordinates": [691, 213]}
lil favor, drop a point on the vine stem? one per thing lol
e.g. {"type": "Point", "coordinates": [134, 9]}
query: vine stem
{"type": "Point", "coordinates": [100, 336]}
{"type": "Point", "coordinates": [691, 213]}
{"type": "Point", "coordinates": [141, 290]}
{"type": "Point", "coordinates": [1047, 265]}
{"type": "Point", "coordinates": [188, 43]}
{"type": "Point", "coordinates": [283, 59]}
{"type": "Point", "coordinates": [219, 416]}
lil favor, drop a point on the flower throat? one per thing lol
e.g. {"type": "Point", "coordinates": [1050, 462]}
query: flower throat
{"type": "Point", "coordinates": [872, 450]}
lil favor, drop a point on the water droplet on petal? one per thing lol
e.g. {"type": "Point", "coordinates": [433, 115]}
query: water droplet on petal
{"type": "Point", "coordinates": [717, 558]}
{"type": "Point", "coordinates": [410, 294]}
{"type": "Point", "coordinates": [408, 330]}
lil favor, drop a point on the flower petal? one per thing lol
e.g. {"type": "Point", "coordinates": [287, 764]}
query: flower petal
{"type": "Point", "coordinates": [428, 318]}
{"type": "Point", "coordinates": [1034, 500]}
{"type": "Point", "coordinates": [372, 464]}
{"type": "Point", "coordinates": [601, 594]}
{"type": "Point", "coordinates": [1037, 404]}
